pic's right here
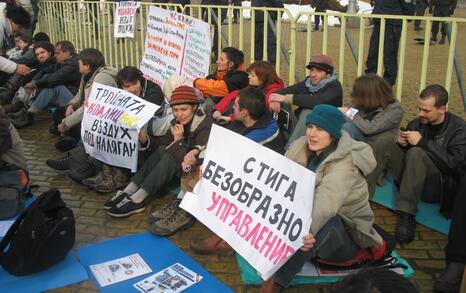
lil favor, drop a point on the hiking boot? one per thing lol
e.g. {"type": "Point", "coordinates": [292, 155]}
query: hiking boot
{"type": "Point", "coordinates": [111, 202]}
{"type": "Point", "coordinates": [450, 281]}
{"type": "Point", "coordinates": [164, 211]}
{"type": "Point", "coordinates": [103, 175]}
{"type": "Point", "coordinates": [443, 39]}
{"type": "Point", "coordinates": [53, 130]}
{"type": "Point", "coordinates": [22, 118]}
{"type": "Point", "coordinates": [65, 143]}
{"type": "Point", "coordinates": [212, 245]}
{"type": "Point", "coordinates": [60, 164]}
{"type": "Point", "coordinates": [178, 220]}
{"type": "Point", "coordinates": [270, 286]}
{"type": "Point", "coordinates": [405, 228]}
{"type": "Point", "coordinates": [116, 178]}
{"type": "Point", "coordinates": [126, 207]}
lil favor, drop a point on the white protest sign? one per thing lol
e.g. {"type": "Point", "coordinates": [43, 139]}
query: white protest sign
{"type": "Point", "coordinates": [255, 199]}
{"type": "Point", "coordinates": [111, 123]}
{"type": "Point", "coordinates": [175, 44]}
{"type": "Point", "coordinates": [124, 20]}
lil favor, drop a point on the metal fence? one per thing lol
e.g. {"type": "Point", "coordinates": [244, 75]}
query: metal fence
{"type": "Point", "coordinates": [90, 24]}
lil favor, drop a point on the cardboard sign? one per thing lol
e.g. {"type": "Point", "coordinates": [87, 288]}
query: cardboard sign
{"type": "Point", "coordinates": [111, 123]}
{"type": "Point", "coordinates": [255, 199]}
{"type": "Point", "coordinates": [124, 20]}
{"type": "Point", "coordinates": [175, 44]}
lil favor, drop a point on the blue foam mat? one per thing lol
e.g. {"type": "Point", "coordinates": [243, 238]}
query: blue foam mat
{"type": "Point", "coordinates": [157, 252]}
{"type": "Point", "coordinates": [250, 276]}
{"type": "Point", "coordinates": [428, 214]}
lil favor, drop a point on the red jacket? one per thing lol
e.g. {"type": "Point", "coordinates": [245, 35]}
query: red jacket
{"type": "Point", "coordinates": [226, 101]}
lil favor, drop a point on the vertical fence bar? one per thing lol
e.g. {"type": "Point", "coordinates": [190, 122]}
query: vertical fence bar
{"type": "Point", "coordinates": [341, 59]}
{"type": "Point", "coordinates": [325, 35]}
{"type": "Point", "coordinates": [252, 34]}
{"type": "Point", "coordinates": [361, 46]}
{"type": "Point", "coordinates": [401, 63]}
{"type": "Point", "coordinates": [451, 55]}
{"type": "Point", "coordinates": [266, 35]}
{"type": "Point", "coordinates": [291, 76]}
{"type": "Point", "coordinates": [278, 41]}
{"type": "Point", "coordinates": [425, 55]}
{"type": "Point", "coordinates": [381, 45]}
{"type": "Point", "coordinates": [308, 38]}
{"type": "Point", "coordinates": [241, 30]}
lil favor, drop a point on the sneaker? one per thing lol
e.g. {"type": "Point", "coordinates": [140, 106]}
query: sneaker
{"type": "Point", "coordinates": [450, 281]}
{"type": "Point", "coordinates": [65, 143]}
{"type": "Point", "coordinates": [405, 228]}
{"type": "Point", "coordinates": [178, 220]}
{"type": "Point", "coordinates": [212, 245]}
{"type": "Point", "coordinates": [119, 196]}
{"type": "Point", "coordinates": [22, 119]}
{"type": "Point", "coordinates": [126, 207]}
{"type": "Point", "coordinates": [164, 211]}
{"type": "Point", "coordinates": [60, 164]}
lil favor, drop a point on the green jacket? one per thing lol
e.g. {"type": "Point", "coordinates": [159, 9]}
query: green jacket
{"type": "Point", "coordinates": [341, 187]}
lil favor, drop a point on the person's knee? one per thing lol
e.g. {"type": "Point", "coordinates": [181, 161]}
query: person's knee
{"type": "Point", "coordinates": [415, 154]}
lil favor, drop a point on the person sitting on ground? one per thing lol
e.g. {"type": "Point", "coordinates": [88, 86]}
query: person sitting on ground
{"type": "Point", "coordinates": [455, 252]}
{"type": "Point", "coordinates": [425, 160]}
{"type": "Point", "coordinates": [342, 219]}
{"type": "Point", "coordinates": [320, 87]}
{"type": "Point", "coordinates": [68, 120]}
{"type": "Point", "coordinates": [56, 88]}
{"type": "Point", "coordinates": [110, 178]}
{"type": "Point", "coordinates": [181, 139]}
{"type": "Point", "coordinates": [230, 76]}
{"type": "Point", "coordinates": [262, 75]}
{"type": "Point", "coordinates": [25, 53]}
{"type": "Point", "coordinates": [256, 123]}
{"type": "Point", "coordinates": [12, 20]}
{"type": "Point", "coordinates": [11, 146]}
{"type": "Point", "coordinates": [15, 97]}
{"type": "Point", "coordinates": [378, 116]}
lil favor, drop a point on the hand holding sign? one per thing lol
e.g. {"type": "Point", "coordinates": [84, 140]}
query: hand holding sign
{"type": "Point", "coordinates": [308, 242]}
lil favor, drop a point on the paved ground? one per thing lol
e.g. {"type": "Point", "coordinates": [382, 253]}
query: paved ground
{"type": "Point", "coordinates": [425, 254]}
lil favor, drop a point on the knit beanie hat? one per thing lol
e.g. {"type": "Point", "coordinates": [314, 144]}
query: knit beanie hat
{"type": "Point", "coordinates": [184, 95]}
{"type": "Point", "coordinates": [328, 118]}
{"type": "Point", "coordinates": [322, 62]}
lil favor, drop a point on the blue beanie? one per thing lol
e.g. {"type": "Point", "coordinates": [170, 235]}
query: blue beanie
{"type": "Point", "coordinates": [328, 118]}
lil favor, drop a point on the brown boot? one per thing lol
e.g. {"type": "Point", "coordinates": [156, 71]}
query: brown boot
{"type": "Point", "coordinates": [116, 179]}
{"type": "Point", "coordinates": [270, 286]}
{"type": "Point", "coordinates": [104, 174]}
{"type": "Point", "coordinates": [212, 245]}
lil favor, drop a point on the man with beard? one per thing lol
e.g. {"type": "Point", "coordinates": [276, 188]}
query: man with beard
{"type": "Point", "coordinates": [426, 160]}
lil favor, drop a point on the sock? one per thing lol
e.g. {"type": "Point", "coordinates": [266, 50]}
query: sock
{"type": "Point", "coordinates": [131, 188]}
{"type": "Point", "coordinates": [139, 195]}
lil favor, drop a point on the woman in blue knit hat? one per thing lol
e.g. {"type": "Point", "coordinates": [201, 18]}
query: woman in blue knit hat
{"type": "Point", "coordinates": [342, 219]}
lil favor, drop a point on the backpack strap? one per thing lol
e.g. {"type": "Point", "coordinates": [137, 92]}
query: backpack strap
{"type": "Point", "coordinates": [11, 232]}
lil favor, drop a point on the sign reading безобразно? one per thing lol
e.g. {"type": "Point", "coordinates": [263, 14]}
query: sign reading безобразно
{"type": "Point", "coordinates": [111, 123]}
{"type": "Point", "coordinates": [124, 20]}
{"type": "Point", "coordinates": [257, 200]}
{"type": "Point", "coordinates": [175, 44]}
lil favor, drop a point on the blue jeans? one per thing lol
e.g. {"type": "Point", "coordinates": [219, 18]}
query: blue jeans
{"type": "Point", "coordinates": [332, 243]}
{"type": "Point", "coordinates": [57, 96]}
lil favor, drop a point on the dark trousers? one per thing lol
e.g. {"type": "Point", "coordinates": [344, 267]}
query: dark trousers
{"type": "Point", "coordinates": [456, 247]}
{"type": "Point", "coordinates": [157, 171]}
{"type": "Point", "coordinates": [421, 6]}
{"type": "Point", "coordinates": [332, 243]}
{"type": "Point", "coordinates": [440, 11]}
{"type": "Point", "coordinates": [259, 42]}
{"type": "Point", "coordinates": [418, 176]}
{"type": "Point", "coordinates": [74, 131]}
{"type": "Point", "coordinates": [390, 50]}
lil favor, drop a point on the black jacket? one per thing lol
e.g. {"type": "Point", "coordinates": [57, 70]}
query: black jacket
{"type": "Point", "coordinates": [448, 152]}
{"type": "Point", "coordinates": [331, 94]}
{"type": "Point", "coordinates": [152, 93]}
{"type": "Point", "coordinates": [394, 7]}
{"type": "Point", "coordinates": [259, 17]}
{"type": "Point", "coordinates": [66, 74]}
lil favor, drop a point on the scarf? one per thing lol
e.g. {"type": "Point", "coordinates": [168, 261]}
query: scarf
{"type": "Point", "coordinates": [315, 88]}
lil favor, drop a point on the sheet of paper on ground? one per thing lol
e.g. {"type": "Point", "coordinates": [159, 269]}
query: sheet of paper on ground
{"type": "Point", "coordinates": [257, 200]}
{"type": "Point", "coordinates": [124, 22]}
{"type": "Point", "coordinates": [175, 44]}
{"type": "Point", "coordinates": [111, 123]}
{"type": "Point", "coordinates": [175, 278]}
{"type": "Point", "coordinates": [120, 269]}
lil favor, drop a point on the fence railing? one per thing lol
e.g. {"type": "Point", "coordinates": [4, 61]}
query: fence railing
{"type": "Point", "coordinates": [90, 24]}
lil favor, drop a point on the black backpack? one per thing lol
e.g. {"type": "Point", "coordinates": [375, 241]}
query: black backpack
{"type": "Point", "coordinates": [40, 237]}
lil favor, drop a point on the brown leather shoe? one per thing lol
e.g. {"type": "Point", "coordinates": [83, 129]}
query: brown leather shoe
{"type": "Point", "coordinates": [212, 245]}
{"type": "Point", "coordinates": [270, 286]}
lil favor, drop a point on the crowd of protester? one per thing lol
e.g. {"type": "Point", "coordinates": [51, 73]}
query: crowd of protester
{"type": "Point", "coordinates": [349, 147]}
